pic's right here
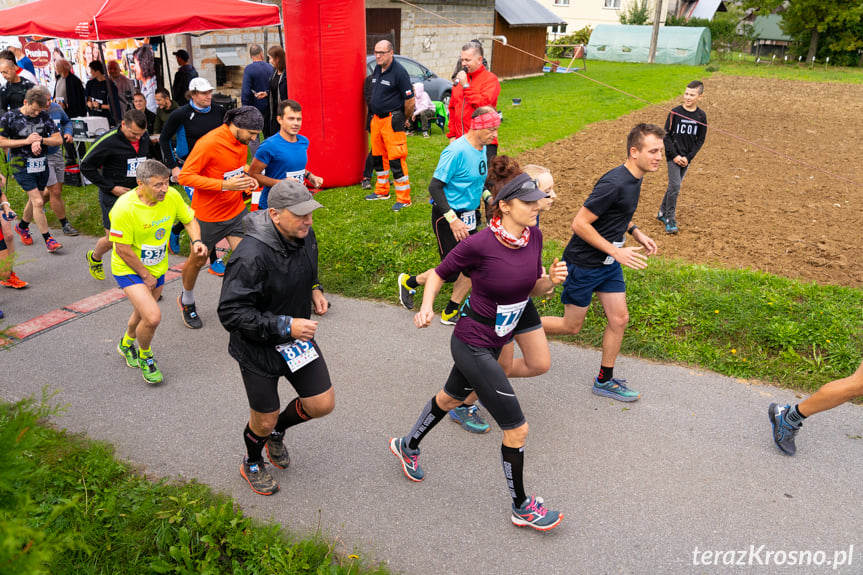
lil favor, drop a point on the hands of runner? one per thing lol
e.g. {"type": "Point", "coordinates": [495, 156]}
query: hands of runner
{"type": "Point", "coordinates": [199, 249]}
{"type": "Point", "coordinates": [175, 174]}
{"type": "Point", "coordinates": [316, 181]}
{"type": "Point", "coordinates": [631, 257]}
{"type": "Point", "coordinates": [423, 317]}
{"type": "Point", "coordinates": [681, 161]}
{"type": "Point", "coordinates": [320, 303]}
{"type": "Point", "coordinates": [8, 214]}
{"type": "Point", "coordinates": [35, 143]}
{"type": "Point", "coordinates": [303, 329]}
{"type": "Point", "coordinates": [68, 138]}
{"type": "Point", "coordinates": [149, 281]}
{"type": "Point", "coordinates": [119, 190]}
{"type": "Point", "coordinates": [557, 272]}
{"type": "Point", "coordinates": [459, 229]}
{"type": "Point", "coordinates": [646, 241]}
{"type": "Point", "coordinates": [238, 183]}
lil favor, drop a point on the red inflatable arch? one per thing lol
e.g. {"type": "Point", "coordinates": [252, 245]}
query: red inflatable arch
{"type": "Point", "coordinates": [325, 46]}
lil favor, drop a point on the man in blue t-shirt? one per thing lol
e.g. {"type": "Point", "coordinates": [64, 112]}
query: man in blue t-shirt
{"type": "Point", "coordinates": [596, 252]}
{"type": "Point", "coordinates": [283, 155]}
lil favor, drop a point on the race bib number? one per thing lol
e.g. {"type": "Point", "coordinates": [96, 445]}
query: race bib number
{"type": "Point", "coordinates": [232, 173]}
{"type": "Point", "coordinates": [610, 260]}
{"type": "Point", "coordinates": [132, 166]}
{"type": "Point", "coordinates": [299, 175]}
{"type": "Point", "coordinates": [507, 317]}
{"type": "Point", "coordinates": [469, 219]}
{"type": "Point", "coordinates": [35, 165]}
{"type": "Point", "coordinates": [297, 354]}
{"type": "Point", "coordinates": [152, 255]}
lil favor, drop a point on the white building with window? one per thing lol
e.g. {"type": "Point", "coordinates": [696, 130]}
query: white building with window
{"type": "Point", "coordinates": [581, 13]}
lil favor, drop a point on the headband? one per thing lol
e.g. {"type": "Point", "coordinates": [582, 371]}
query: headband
{"type": "Point", "coordinates": [487, 120]}
{"type": "Point", "coordinates": [245, 118]}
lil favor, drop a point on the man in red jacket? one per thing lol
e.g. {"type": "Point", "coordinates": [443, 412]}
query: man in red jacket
{"type": "Point", "coordinates": [474, 87]}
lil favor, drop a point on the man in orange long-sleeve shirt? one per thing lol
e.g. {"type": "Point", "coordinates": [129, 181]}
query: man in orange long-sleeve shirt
{"type": "Point", "coordinates": [216, 169]}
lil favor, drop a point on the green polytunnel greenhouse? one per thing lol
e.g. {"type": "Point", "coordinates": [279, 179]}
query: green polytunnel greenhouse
{"type": "Point", "coordinates": [676, 44]}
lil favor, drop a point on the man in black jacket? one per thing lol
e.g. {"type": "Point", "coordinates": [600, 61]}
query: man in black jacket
{"type": "Point", "coordinates": [112, 164]}
{"type": "Point", "coordinates": [270, 287]}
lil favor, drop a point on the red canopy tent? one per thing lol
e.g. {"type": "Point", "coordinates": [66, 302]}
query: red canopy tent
{"type": "Point", "coordinates": [101, 20]}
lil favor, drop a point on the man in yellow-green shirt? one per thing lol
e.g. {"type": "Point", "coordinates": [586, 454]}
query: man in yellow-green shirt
{"type": "Point", "coordinates": [140, 224]}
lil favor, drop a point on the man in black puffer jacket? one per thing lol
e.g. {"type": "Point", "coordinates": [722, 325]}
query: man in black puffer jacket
{"type": "Point", "coordinates": [270, 289]}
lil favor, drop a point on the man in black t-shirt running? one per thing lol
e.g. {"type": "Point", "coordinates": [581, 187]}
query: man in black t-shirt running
{"type": "Point", "coordinates": [595, 254]}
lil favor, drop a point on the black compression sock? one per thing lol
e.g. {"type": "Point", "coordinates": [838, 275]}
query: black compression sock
{"type": "Point", "coordinates": [451, 306]}
{"type": "Point", "coordinates": [63, 222]}
{"type": "Point", "coordinates": [430, 416]}
{"type": "Point", "coordinates": [254, 445]}
{"type": "Point", "coordinates": [605, 373]}
{"type": "Point", "coordinates": [294, 414]}
{"type": "Point", "coordinates": [512, 459]}
{"type": "Point", "coordinates": [23, 224]}
{"type": "Point", "coordinates": [412, 282]}
{"type": "Point", "coordinates": [46, 235]}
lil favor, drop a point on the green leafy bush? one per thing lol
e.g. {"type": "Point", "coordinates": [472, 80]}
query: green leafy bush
{"type": "Point", "coordinates": [579, 37]}
{"type": "Point", "coordinates": [636, 14]}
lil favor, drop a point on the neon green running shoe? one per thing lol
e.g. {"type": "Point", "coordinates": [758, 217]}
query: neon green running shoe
{"type": "Point", "coordinates": [129, 353]}
{"type": "Point", "coordinates": [149, 370]}
{"type": "Point", "coordinates": [96, 268]}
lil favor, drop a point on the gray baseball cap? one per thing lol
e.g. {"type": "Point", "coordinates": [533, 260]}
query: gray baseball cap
{"type": "Point", "coordinates": [292, 196]}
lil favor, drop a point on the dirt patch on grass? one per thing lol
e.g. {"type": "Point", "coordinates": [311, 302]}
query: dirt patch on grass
{"type": "Point", "coordinates": [741, 206]}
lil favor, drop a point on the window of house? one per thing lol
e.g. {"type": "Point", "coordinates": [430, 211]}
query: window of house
{"type": "Point", "coordinates": [613, 4]}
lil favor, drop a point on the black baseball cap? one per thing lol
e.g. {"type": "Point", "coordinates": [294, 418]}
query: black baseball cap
{"type": "Point", "coordinates": [182, 54]}
{"type": "Point", "coordinates": [522, 187]}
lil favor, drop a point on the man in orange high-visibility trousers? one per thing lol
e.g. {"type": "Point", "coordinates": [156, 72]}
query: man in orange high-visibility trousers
{"type": "Point", "coordinates": [392, 101]}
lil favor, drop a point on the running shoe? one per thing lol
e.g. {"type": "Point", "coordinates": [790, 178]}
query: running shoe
{"type": "Point", "coordinates": [14, 281]}
{"type": "Point", "coordinates": [425, 134]}
{"type": "Point", "coordinates": [69, 230]}
{"type": "Point", "coordinates": [52, 245]}
{"type": "Point", "coordinates": [783, 432]}
{"type": "Point", "coordinates": [615, 389]}
{"type": "Point", "coordinates": [217, 268]}
{"type": "Point", "coordinates": [277, 452]}
{"type": "Point", "coordinates": [174, 243]}
{"type": "Point", "coordinates": [399, 206]}
{"type": "Point", "coordinates": [533, 514]}
{"type": "Point", "coordinates": [406, 294]}
{"type": "Point", "coordinates": [661, 217]}
{"type": "Point", "coordinates": [449, 318]}
{"type": "Point", "coordinates": [149, 369]}
{"type": "Point", "coordinates": [671, 227]}
{"type": "Point", "coordinates": [372, 197]}
{"type": "Point", "coordinates": [366, 184]}
{"type": "Point", "coordinates": [129, 353]}
{"type": "Point", "coordinates": [469, 418]}
{"type": "Point", "coordinates": [96, 269]}
{"type": "Point", "coordinates": [26, 238]}
{"type": "Point", "coordinates": [190, 314]}
{"type": "Point", "coordinates": [258, 477]}
{"type": "Point", "coordinates": [410, 460]}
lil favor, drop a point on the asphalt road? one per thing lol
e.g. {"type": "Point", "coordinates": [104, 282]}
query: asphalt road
{"type": "Point", "coordinates": [686, 476]}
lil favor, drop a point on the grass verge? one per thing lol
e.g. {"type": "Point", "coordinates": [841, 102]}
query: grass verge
{"type": "Point", "coordinates": [68, 507]}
